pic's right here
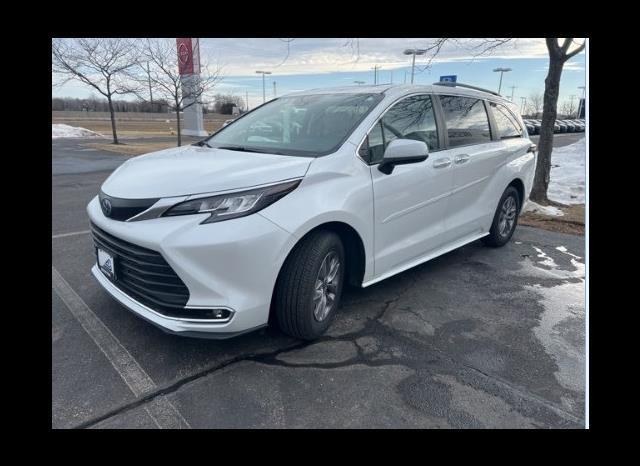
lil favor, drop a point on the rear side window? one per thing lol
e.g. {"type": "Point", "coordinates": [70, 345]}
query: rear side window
{"type": "Point", "coordinates": [466, 119]}
{"type": "Point", "coordinates": [411, 118]}
{"type": "Point", "coordinates": [507, 125]}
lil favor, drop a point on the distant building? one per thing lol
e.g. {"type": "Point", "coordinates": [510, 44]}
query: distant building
{"type": "Point", "coordinates": [581, 108]}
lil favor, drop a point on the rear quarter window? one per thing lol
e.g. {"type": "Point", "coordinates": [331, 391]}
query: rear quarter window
{"type": "Point", "coordinates": [506, 123]}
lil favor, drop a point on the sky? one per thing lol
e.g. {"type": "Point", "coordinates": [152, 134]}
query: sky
{"type": "Point", "coordinates": [305, 63]}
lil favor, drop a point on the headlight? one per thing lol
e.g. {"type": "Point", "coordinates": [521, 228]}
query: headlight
{"type": "Point", "coordinates": [233, 205]}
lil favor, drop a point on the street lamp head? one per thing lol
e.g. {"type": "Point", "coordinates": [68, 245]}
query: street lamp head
{"type": "Point", "coordinates": [502, 69]}
{"type": "Point", "coordinates": [263, 72]}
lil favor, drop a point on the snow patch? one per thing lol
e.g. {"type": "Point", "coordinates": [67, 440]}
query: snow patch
{"type": "Point", "coordinates": [543, 209]}
{"type": "Point", "coordinates": [568, 173]}
{"type": "Point", "coordinates": [66, 131]}
{"type": "Point", "coordinates": [565, 251]}
{"type": "Point", "coordinates": [546, 260]}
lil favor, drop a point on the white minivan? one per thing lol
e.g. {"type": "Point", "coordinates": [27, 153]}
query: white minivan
{"type": "Point", "coordinates": [268, 218]}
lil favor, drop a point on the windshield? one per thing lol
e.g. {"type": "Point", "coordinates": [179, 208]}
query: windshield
{"type": "Point", "coordinates": [308, 125]}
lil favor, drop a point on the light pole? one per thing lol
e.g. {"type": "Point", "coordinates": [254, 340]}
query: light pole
{"type": "Point", "coordinates": [264, 96]}
{"type": "Point", "coordinates": [414, 52]}
{"type": "Point", "coordinates": [375, 74]}
{"type": "Point", "coordinates": [246, 93]}
{"type": "Point", "coordinates": [571, 97]}
{"type": "Point", "coordinates": [512, 89]}
{"type": "Point", "coordinates": [524, 104]}
{"type": "Point", "coordinates": [502, 71]}
{"type": "Point", "coordinates": [359, 83]}
{"type": "Point", "coordinates": [274, 90]}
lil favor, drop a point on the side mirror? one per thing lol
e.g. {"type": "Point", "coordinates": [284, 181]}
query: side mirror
{"type": "Point", "coordinates": [401, 152]}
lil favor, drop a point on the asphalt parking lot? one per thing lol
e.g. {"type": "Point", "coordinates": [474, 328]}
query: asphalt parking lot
{"type": "Point", "coordinates": [477, 338]}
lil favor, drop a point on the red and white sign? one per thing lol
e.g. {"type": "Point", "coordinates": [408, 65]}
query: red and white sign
{"type": "Point", "coordinates": [188, 55]}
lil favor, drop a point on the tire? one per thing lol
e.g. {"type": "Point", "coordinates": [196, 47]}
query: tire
{"type": "Point", "coordinates": [301, 282]}
{"type": "Point", "coordinates": [499, 234]}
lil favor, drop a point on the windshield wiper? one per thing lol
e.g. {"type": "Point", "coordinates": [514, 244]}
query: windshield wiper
{"type": "Point", "coordinates": [202, 143]}
{"type": "Point", "coordinates": [250, 149]}
{"type": "Point", "coordinates": [238, 148]}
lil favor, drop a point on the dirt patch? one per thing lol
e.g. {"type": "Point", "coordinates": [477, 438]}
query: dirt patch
{"type": "Point", "coordinates": [572, 222]}
{"type": "Point", "coordinates": [131, 149]}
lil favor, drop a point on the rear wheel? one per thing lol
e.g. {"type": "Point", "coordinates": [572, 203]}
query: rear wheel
{"type": "Point", "coordinates": [310, 285]}
{"type": "Point", "coordinates": [505, 219]}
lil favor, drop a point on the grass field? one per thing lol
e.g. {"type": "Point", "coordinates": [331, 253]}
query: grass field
{"type": "Point", "coordinates": [132, 124]}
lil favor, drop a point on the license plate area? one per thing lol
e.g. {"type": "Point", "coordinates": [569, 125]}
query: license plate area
{"type": "Point", "coordinates": [106, 263]}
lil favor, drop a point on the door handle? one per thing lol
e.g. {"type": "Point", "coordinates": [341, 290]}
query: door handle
{"type": "Point", "coordinates": [441, 163]}
{"type": "Point", "coordinates": [462, 158]}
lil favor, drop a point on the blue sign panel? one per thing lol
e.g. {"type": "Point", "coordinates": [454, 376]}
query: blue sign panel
{"type": "Point", "coordinates": [451, 78]}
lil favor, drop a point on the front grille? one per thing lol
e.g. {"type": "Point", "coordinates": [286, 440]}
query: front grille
{"type": "Point", "coordinates": [123, 209]}
{"type": "Point", "coordinates": [145, 275]}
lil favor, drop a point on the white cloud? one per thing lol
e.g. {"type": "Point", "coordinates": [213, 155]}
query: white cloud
{"type": "Point", "coordinates": [241, 57]}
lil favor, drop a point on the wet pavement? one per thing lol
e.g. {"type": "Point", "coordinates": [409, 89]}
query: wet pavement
{"type": "Point", "coordinates": [477, 338]}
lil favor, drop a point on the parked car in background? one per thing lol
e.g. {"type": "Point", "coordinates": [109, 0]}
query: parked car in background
{"type": "Point", "coordinates": [571, 127]}
{"type": "Point", "coordinates": [530, 128]}
{"type": "Point", "coordinates": [268, 219]}
{"type": "Point", "coordinates": [579, 125]}
{"type": "Point", "coordinates": [536, 126]}
{"type": "Point", "coordinates": [563, 126]}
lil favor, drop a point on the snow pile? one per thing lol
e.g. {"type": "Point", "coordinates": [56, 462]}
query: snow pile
{"type": "Point", "coordinates": [66, 131]}
{"type": "Point", "coordinates": [543, 209]}
{"type": "Point", "coordinates": [567, 184]}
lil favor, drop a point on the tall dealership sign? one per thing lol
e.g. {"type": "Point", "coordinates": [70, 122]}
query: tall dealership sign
{"type": "Point", "coordinates": [189, 67]}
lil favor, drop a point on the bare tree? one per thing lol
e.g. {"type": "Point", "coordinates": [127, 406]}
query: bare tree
{"type": "Point", "coordinates": [167, 82]}
{"type": "Point", "coordinates": [534, 104]}
{"type": "Point", "coordinates": [566, 108]}
{"type": "Point", "coordinates": [102, 64]}
{"type": "Point", "coordinates": [558, 55]}
{"type": "Point", "coordinates": [226, 102]}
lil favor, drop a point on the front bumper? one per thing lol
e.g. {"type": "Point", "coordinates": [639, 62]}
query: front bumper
{"type": "Point", "coordinates": [232, 265]}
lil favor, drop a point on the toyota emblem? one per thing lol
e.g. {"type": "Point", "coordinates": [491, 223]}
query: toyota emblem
{"type": "Point", "coordinates": [106, 207]}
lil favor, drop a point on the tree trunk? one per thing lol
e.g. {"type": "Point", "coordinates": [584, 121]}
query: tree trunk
{"type": "Point", "coordinates": [545, 143]}
{"type": "Point", "coordinates": [113, 121]}
{"type": "Point", "coordinates": [178, 127]}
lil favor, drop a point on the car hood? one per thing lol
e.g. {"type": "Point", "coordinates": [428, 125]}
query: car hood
{"type": "Point", "coordinates": [189, 170]}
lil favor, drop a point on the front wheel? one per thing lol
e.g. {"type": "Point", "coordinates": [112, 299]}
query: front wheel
{"type": "Point", "coordinates": [505, 219]}
{"type": "Point", "coordinates": [310, 285]}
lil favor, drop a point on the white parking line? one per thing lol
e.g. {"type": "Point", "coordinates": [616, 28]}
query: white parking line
{"type": "Point", "coordinates": [73, 233]}
{"type": "Point", "coordinates": [161, 410]}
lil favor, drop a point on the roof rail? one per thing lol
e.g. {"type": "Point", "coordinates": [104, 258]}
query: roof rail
{"type": "Point", "coordinates": [469, 86]}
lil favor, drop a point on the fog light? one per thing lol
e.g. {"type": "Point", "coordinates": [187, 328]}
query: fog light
{"type": "Point", "coordinates": [209, 314]}
{"type": "Point", "coordinates": [218, 314]}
